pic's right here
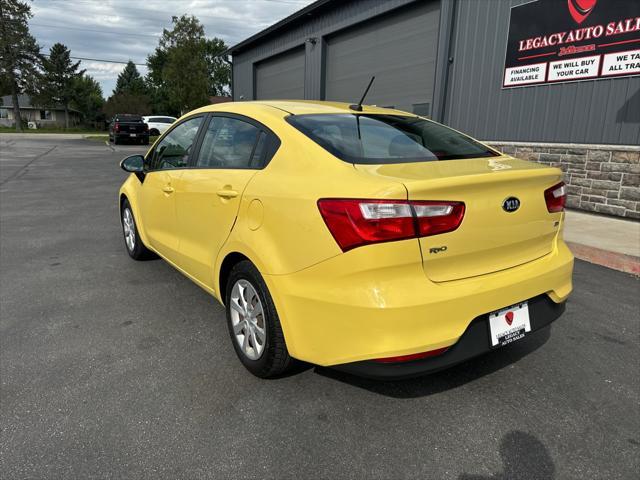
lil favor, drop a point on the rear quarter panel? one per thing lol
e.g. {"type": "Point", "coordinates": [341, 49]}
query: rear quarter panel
{"type": "Point", "coordinates": [279, 226]}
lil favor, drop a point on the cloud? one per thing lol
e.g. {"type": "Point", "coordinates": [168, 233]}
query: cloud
{"type": "Point", "coordinates": [124, 30]}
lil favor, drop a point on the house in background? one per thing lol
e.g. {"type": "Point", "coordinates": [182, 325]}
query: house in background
{"type": "Point", "coordinates": [219, 99]}
{"type": "Point", "coordinates": [43, 116]}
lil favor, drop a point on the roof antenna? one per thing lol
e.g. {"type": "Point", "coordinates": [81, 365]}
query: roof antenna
{"type": "Point", "coordinates": [358, 107]}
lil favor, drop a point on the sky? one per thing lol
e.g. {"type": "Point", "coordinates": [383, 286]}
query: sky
{"type": "Point", "coordinates": [123, 30]}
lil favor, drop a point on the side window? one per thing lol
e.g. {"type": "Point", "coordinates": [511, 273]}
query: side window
{"type": "Point", "coordinates": [174, 149]}
{"type": "Point", "coordinates": [229, 143]}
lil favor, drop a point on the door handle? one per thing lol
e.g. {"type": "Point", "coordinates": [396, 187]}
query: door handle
{"type": "Point", "coordinates": [227, 193]}
{"type": "Point", "coordinates": [168, 189]}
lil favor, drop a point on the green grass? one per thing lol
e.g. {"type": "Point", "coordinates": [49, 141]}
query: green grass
{"type": "Point", "coordinates": [105, 138]}
{"type": "Point", "coordinates": [53, 130]}
{"type": "Point", "coordinates": [97, 138]}
{"type": "Point", "coordinates": [91, 135]}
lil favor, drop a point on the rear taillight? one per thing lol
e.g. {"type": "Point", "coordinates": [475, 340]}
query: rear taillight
{"type": "Point", "coordinates": [438, 217]}
{"type": "Point", "coordinates": [556, 197]}
{"type": "Point", "coordinates": [359, 222]}
{"type": "Point", "coordinates": [354, 222]}
{"type": "Point", "coordinates": [117, 127]}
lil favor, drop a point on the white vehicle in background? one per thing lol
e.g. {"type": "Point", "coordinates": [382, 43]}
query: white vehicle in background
{"type": "Point", "coordinates": [158, 124]}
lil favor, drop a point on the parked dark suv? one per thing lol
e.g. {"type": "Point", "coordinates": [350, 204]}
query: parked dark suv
{"type": "Point", "coordinates": [125, 126]}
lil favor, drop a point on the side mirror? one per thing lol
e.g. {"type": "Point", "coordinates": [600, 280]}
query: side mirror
{"type": "Point", "coordinates": [133, 164]}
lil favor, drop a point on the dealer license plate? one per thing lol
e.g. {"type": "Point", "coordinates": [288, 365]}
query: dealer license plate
{"type": "Point", "coordinates": [133, 135]}
{"type": "Point", "coordinates": [509, 324]}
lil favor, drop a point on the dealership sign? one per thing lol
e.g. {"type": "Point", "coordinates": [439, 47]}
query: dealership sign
{"type": "Point", "coordinates": [553, 41]}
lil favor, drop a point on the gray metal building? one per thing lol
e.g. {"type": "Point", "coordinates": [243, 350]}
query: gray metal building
{"type": "Point", "coordinates": [439, 58]}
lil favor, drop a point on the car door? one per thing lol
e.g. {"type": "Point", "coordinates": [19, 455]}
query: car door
{"type": "Point", "coordinates": [163, 167]}
{"type": "Point", "coordinates": [232, 149]}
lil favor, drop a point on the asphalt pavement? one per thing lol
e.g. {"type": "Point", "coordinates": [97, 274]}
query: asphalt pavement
{"type": "Point", "coordinates": [111, 368]}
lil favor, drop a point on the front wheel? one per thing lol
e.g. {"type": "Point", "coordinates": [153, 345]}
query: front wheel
{"type": "Point", "coordinates": [135, 248]}
{"type": "Point", "coordinates": [253, 323]}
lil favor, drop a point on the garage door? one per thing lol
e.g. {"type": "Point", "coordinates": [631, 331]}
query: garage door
{"type": "Point", "coordinates": [399, 49]}
{"type": "Point", "coordinates": [281, 76]}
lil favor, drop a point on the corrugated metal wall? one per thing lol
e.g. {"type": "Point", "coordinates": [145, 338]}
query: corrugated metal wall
{"type": "Point", "coordinates": [341, 15]}
{"type": "Point", "coordinates": [600, 111]}
{"type": "Point", "coordinates": [281, 76]}
{"type": "Point", "coordinates": [397, 48]}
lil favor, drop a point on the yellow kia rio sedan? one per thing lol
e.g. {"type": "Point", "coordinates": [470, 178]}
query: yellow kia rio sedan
{"type": "Point", "coordinates": [367, 239]}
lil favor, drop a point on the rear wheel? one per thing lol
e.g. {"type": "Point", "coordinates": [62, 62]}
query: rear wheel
{"type": "Point", "coordinates": [154, 132]}
{"type": "Point", "coordinates": [115, 140]}
{"type": "Point", "coordinates": [135, 248]}
{"type": "Point", "coordinates": [253, 323]}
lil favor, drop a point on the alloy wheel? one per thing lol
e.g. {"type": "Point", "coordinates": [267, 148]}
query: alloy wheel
{"type": "Point", "coordinates": [129, 228]}
{"type": "Point", "coordinates": [247, 319]}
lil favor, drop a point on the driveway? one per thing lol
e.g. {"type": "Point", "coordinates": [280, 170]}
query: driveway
{"type": "Point", "coordinates": [112, 368]}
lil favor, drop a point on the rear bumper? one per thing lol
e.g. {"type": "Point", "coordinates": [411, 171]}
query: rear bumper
{"type": "Point", "coordinates": [475, 341]}
{"type": "Point", "coordinates": [377, 302]}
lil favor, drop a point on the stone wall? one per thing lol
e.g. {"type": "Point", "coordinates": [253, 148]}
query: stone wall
{"type": "Point", "coordinates": [600, 178]}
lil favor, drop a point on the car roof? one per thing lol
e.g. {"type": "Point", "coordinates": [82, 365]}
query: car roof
{"type": "Point", "coordinates": [298, 107]}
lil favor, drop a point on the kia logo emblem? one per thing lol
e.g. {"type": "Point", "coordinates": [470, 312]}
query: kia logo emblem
{"type": "Point", "coordinates": [511, 204]}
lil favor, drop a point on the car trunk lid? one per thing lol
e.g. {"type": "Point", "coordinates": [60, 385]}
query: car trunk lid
{"type": "Point", "coordinates": [489, 238]}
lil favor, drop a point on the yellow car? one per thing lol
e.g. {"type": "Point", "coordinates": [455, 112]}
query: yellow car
{"type": "Point", "coordinates": [362, 238]}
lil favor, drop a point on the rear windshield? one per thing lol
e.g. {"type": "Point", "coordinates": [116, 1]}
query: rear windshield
{"type": "Point", "coordinates": [128, 118]}
{"type": "Point", "coordinates": [380, 139]}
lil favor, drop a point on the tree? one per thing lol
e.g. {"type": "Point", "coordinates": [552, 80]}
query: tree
{"type": "Point", "coordinates": [59, 79]}
{"type": "Point", "coordinates": [130, 94]}
{"type": "Point", "coordinates": [88, 99]}
{"type": "Point", "coordinates": [157, 88]}
{"type": "Point", "coordinates": [186, 67]}
{"type": "Point", "coordinates": [126, 103]}
{"type": "Point", "coordinates": [160, 101]}
{"type": "Point", "coordinates": [185, 70]}
{"type": "Point", "coordinates": [130, 81]}
{"type": "Point", "coordinates": [19, 53]}
{"type": "Point", "coordinates": [218, 69]}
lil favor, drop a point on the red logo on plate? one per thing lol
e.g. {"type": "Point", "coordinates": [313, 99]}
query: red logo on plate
{"type": "Point", "coordinates": [580, 9]}
{"type": "Point", "coordinates": [509, 318]}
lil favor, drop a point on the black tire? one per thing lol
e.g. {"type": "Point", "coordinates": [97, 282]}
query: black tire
{"type": "Point", "coordinates": [154, 132]}
{"type": "Point", "coordinates": [275, 359]}
{"type": "Point", "coordinates": [139, 250]}
{"type": "Point", "coordinates": [115, 140]}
